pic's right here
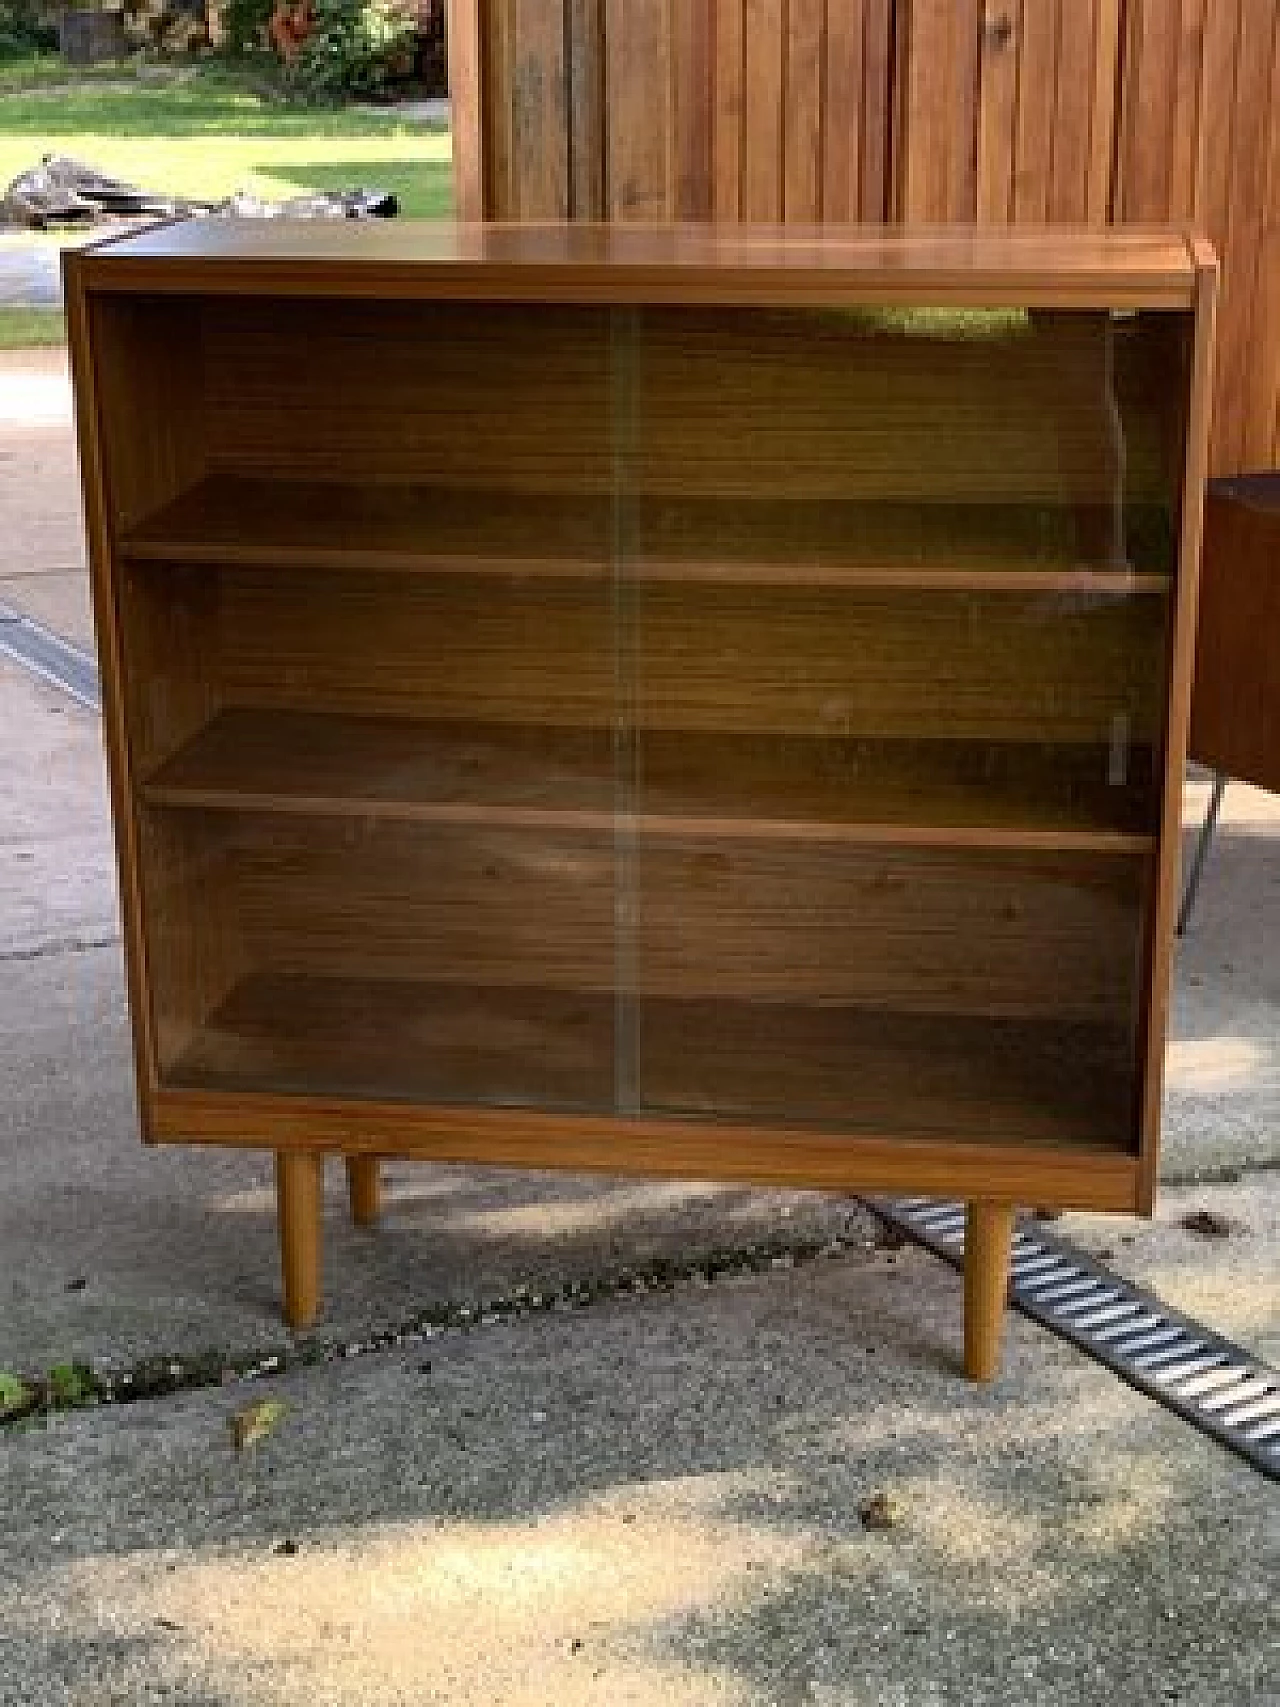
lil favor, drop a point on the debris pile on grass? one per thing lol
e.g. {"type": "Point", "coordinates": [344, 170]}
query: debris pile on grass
{"type": "Point", "coordinates": [61, 191]}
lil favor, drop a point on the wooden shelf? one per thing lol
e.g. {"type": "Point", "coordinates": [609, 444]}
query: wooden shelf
{"type": "Point", "coordinates": [961, 1078]}
{"type": "Point", "coordinates": [228, 519]}
{"type": "Point", "coordinates": [949, 793]}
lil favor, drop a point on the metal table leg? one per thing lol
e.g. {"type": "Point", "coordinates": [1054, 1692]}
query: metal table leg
{"type": "Point", "coordinates": [1202, 850]}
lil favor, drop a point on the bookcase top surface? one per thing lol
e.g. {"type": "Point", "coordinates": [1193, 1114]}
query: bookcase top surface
{"type": "Point", "coordinates": [693, 264]}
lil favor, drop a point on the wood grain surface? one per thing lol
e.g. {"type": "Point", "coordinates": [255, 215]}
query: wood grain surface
{"type": "Point", "coordinates": [653, 700]}
{"type": "Point", "coordinates": [584, 263]}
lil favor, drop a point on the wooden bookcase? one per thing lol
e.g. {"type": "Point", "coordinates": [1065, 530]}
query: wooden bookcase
{"type": "Point", "coordinates": [667, 702]}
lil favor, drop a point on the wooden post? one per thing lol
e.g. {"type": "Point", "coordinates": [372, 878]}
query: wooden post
{"type": "Point", "coordinates": [364, 1189]}
{"type": "Point", "coordinates": [988, 1239]}
{"type": "Point", "coordinates": [299, 1195]}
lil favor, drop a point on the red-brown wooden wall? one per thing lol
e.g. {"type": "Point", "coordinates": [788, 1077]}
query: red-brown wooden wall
{"type": "Point", "coordinates": [925, 111]}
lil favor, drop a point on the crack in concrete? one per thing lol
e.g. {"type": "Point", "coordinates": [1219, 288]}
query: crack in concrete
{"type": "Point", "coordinates": [67, 945]}
{"type": "Point", "coordinates": [162, 1374]}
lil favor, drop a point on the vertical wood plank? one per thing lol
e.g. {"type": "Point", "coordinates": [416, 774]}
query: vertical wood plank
{"type": "Point", "coordinates": [1187, 107]}
{"type": "Point", "coordinates": [1071, 113]}
{"type": "Point", "coordinates": [85, 354]}
{"type": "Point", "coordinates": [804, 46]}
{"type": "Point", "coordinates": [1262, 437]}
{"type": "Point", "coordinates": [763, 94]}
{"type": "Point", "coordinates": [936, 122]}
{"type": "Point", "coordinates": [1238, 378]}
{"type": "Point", "coordinates": [1211, 195]}
{"type": "Point", "coordinates": [1197, 138]}
{"type": "Point", "coordinates": [1151, 57]}
{"type": "Point", "coordinates": [539, 111]}
{"type": "Point", "coordinates": [877, 108]}
{"type": "Point", "coordinates": [691, 72]}
{"type": "Point", "coordinates": [922, 98]}
{"type": "Point", "coordinates": [1104, 111]}
{"type": "Point", "coordinates": [727, 111]}
{"type": "Point", "coordinates": [585, 70]}
{"type": "Point", "coordinates": [1037, 80]}
{"type": "Point", "coordinates": [1261, 430]}
{"type": "Point", "coordinates": [463, 46]}
{"type": "Point", "coordinates": [498, 43]}
{"type": "Point", "coordinates": [637, 110]}
{"type": "Point", "coordinates": [842, 113]}
{"type": "Point", "coordinates": [999, 52]}
{"type": "Point", "coordinates": [962, 198]}
{"type": "Point", "coordinates": [1158, 953]}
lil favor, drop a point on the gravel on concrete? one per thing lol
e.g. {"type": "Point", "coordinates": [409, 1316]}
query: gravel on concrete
{"type": "Point", "coordinates": [652, 1501]}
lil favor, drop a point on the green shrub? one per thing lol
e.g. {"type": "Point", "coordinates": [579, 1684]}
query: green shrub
{"type": "Point", "coordinates": [24, 31]}
{"type": "Point", "coordinates": [357, 47]}
{"type": "Point", "coordinates": [244, 25]}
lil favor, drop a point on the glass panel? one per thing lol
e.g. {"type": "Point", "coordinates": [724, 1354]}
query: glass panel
{"type": "Point", "coordinates": [374, 719]}
{"type": "Point", "coordinates": [929, 991]}
{"type": "Point", "coordinates": [375, 865]}
{"type": "Point", "coordinates": [359, 956]}
{"type": "Point", "coordinates": [895, 599]}
{"type": "Point", "coordinates": [796, 442]}
{"type": "Point", "coordinates": [748, 715]}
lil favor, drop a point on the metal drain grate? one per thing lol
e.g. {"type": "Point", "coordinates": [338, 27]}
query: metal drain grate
{"type": "Point", "coordinates": [1204, 1378]}
{"type": "Point", "coordinates": [49, 656]}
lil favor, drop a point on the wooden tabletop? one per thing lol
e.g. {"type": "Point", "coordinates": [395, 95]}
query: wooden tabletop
{"type": "Point", "coordinates": [677, 264]}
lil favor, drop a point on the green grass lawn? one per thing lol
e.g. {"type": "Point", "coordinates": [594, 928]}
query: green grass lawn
{"type": "Point", "coordinates": [205, 132]}
{"type": "Point", "coordinates": [212, 131]}
{"type": "Point", "coordinates": [30, 328]}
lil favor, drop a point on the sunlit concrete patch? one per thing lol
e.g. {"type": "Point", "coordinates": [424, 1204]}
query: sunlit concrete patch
{"type": "Point", "coordinates": [246, 1200]}
{"type": "Point", "coordinates": [1222, 1085]}
{"type": "Point", "coordinates": [521, 1613]}
{"type": "Point", "coordinates": [1243, 806]}
{"type": "Point", "coordinates": [40, 516]}
{"type": "Point", "coordinates": [1231, 1282]}
{"type": "Point", "coordinates": [57, 862]}
{"type": "Point", "coordinates": [35, 393]}
{"type": "Point", "coordinates": [597, 1207]}
{"type": "Point", "coordinates": [1223, 1063]}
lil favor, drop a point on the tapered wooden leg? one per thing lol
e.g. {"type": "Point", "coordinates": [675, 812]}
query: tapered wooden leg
{"type": "Point", "coordinates": [299, 1196]}
{"type": "Point", "coordinates": [364, 1189]}
{"type": "Point", "coordinates": [988, 1240]}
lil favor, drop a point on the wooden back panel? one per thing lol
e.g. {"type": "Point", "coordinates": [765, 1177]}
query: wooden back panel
{"type": "Point", "coordinates": [728, 403]}
{"type": "Point", "coordinates": [446, 394]}
{"type": "Point", "coordinates": [1057, 668]}
{"type": "Point", "coordinates": [1065, 668]}
{"type": "Point", "coordinates": [970, 932]}
{"type": "Point", "coordinates": [150, 361]}
{"type": "Point", "coordinates": [1004, 409]}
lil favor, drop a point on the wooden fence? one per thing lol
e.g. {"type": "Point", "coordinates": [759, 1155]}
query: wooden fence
{"type": "Point", "coordinates": [924, 111]}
